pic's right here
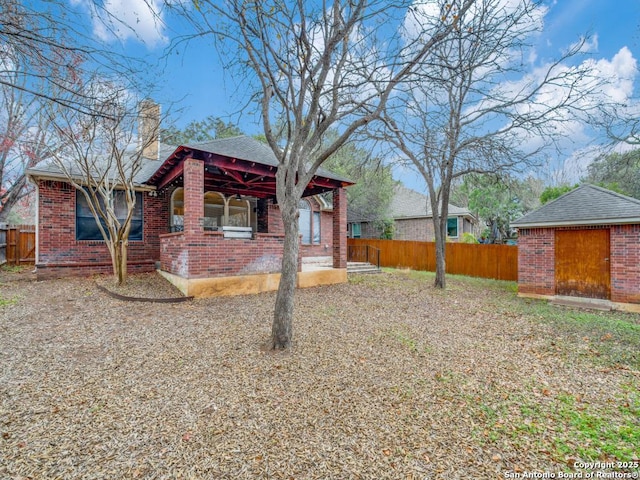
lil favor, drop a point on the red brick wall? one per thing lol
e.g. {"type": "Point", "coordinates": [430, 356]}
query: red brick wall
{"type": "Point", "coordinates": [420, 229]}
{"type": "Point", "coordinates": [209, 254]}
{"type": "Point", "coordinates": [339, 228]}
{"type": "Point", "coordinates": [536, 261]}
{"type": "Point", "coordinates": [60, 254]}
{"type": "Point", "coordinates": [625, 263]}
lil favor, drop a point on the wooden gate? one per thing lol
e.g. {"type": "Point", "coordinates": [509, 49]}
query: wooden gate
{"type": "Point", "coordinates": [17, 244]}
{"type": "Point", "coordinates": [582, 263]}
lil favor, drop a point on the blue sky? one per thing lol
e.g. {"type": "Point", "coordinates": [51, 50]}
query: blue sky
{"type": "Point", "coordinates": [194, 81]}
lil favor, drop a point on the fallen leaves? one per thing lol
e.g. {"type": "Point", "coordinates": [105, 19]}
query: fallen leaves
{"type": "Point", "coordinates": [99, 388]}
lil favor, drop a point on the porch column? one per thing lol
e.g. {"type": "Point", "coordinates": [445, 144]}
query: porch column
{"type": "Point", "coordinates": [193, 196]}
{"type": "Point", "coordinates": [339, 228]}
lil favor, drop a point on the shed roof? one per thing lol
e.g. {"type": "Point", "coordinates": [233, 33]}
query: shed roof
{"type": "Point", "coordinates": [586, 205]}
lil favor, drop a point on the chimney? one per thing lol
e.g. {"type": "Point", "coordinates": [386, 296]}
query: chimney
{"type": "Point", "coordinates": [149, 129]}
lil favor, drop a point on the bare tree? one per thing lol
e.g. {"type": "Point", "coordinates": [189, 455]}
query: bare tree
{"type": "Point", "coordinates": [45, 55]}
{"type": "Point", "coordinates": [315, 66]}
{"type": "Point", "coordinates": [470, 107]}
{"type": "Point", "coordinates": [101, 156]}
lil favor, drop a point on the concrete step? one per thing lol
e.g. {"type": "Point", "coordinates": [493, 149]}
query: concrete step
{"type": "Point", "coordinates": [362, 267]}
{"type": "Point", "coordinates": [580, 302]}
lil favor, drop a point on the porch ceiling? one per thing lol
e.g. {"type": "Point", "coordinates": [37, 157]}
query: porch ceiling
{"type": "Point", "coordinates": [232, 175]}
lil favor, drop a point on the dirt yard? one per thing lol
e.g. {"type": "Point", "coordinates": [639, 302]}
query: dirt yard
{"type": "Point", "coordinates": [388, 379]}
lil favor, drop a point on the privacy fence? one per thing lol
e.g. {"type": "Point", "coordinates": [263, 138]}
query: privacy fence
{"type": "Point", "coordinates": [17, 244]}
{"type": "Point", "coordinates": [476, 260]}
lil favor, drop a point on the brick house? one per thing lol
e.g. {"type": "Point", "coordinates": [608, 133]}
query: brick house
{"type": "Point", "coordinates": [585, 243]}
{"type": "Point", "coordinates": [413, 219]}
{"type": "Point", "coordinates": [206, 218]}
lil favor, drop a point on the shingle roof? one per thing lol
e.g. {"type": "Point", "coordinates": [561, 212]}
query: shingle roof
{"type": "Point", "coordinates": [50, 168]}
{"type": "Point", "coordinates": [240, 147]}
{"type": "Point", "coordinates": [586, 205]}
{"type": "Point", "coordinates": [248, 148]}
{"type": "Point", "coordinates": [407, 203]}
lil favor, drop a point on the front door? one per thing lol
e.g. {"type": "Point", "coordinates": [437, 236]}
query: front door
{"type": "Point", "coordinates": [582, 263]}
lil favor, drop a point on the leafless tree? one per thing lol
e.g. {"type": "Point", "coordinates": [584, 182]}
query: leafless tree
{"type": "Point", "coordinates": [45, 57]}
{"type": "Point", "coordinates": [101, 156]}
{"type": "Point", "coordinates": [315, 66]}
{"type": "Point", "coordinates": [472, 106]}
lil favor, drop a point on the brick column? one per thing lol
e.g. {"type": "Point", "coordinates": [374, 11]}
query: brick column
{"type": "Point", "coordinates": [193, 196]}
{"type": "Point", "coordinates": [339, 228]}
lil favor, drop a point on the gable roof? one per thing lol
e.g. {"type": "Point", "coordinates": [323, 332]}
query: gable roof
{"type": "Point", "coordinates": [586, 205]}
{"type": "Point", "coordinates": [407, 203]}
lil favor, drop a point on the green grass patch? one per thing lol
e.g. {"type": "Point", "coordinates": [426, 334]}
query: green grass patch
{"type": "Point", "coordinates": [605, 338]}
{"type": "Point", "coordinates": [7, 301]}
{"type": "Point", "coordinates": [12, 268]}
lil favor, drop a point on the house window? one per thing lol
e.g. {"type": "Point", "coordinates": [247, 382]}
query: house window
{"type": "Point", "coordinates": [213, 210]}
{"type": "Point", "coordinates": [177, 210]}
{"type": "Point", "coordinates": [87, 227]}
{"type": "Point", "coordinates": [309, 223]}
{"type": "Point", "coordinates": [355, 230]}
{"type": "Point", "coordinates": [452, 227]}
{"type": "Point", "coordinates": [238, 212]}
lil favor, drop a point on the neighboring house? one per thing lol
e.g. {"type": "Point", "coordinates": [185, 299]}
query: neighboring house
{"type": "Point", "coordinates": [585, 243]}
{"type": "Point", "coordinates": [413, 219]}
{"type": "Point", "coordinates": [206, 217]}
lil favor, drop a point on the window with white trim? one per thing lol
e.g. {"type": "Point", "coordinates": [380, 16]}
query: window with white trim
{"type": "Point", "coordinates": [309, 224]}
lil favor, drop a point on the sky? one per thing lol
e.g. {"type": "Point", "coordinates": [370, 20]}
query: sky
{"type": "Point", "coordinates": [193, 80]}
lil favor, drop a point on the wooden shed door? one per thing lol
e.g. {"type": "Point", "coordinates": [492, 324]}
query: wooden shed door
{"type": "Point", "coordinates": [582, 263]}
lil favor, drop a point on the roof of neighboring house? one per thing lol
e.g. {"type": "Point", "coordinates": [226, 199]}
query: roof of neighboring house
{"type": "Point", "coordinates": [242, 148]}
{"type": "Point", "coordinates": [407, 203]}
{"type": "Point", "coordinates": [586, 205]}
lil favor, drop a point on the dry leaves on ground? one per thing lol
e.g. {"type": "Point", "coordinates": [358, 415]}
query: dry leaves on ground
{"type": "Point", "coordinates": [388, 378]}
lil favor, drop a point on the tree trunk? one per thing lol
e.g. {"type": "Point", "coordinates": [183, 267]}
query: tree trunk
{"type": "Point", "coordinates": [122, 267]}
{"type": "Point", "coordinates": [119, 261]}
{"type": "Point", "coordinates": [440, 234]}
{"type": "Point", "coordinates": [282, 331]}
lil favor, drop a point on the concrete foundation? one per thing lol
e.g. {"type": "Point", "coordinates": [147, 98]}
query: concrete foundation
{"type": "Point", "coordinates": [252, 284]}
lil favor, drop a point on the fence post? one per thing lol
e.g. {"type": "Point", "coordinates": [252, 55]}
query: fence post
{"type": "Point", "coordinates": [3, 243]}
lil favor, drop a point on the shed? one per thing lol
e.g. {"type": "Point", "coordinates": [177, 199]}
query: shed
{"type": "Point", "coordinates": [584, 244]}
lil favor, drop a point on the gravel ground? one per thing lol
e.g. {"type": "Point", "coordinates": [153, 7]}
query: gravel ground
{"type": "Point", "coordinates": [388, 378]}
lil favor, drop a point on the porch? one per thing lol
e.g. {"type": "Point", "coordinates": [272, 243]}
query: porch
{"type": "Point", "coordinates": [225, 233]}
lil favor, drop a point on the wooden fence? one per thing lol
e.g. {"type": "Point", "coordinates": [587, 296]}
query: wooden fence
{"type": "Point", "coordinates": [475, 260]}
{"type": "Point", "coordinates": [17, 244]}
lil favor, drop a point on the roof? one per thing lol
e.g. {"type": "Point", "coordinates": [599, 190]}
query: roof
{"type": "Point", "coordinates": [49, 168]}
{"type": "Point", "coordinates": [250, 154]}
{"type": "Point", "coordinates": [586, 205]}
{"type": "Point", "coordinates": [250, 149]}
{"type": "Point", "coordinates": [407, 203]}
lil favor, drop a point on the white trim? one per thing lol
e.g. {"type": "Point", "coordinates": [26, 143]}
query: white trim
{"type": "Point", "coordinates": [586, 223]}
{"type": "Point", "coordinates": [37, 224]}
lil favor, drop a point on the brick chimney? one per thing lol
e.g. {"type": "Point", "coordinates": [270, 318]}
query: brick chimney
{"type": "Point", "coordinates": [149, 129]}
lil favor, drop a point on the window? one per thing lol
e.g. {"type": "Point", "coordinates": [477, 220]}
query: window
{"type": "Point", "coordinates": [238, 212]}
{"type": "Point", "coordinates": [452, 227]}
{"type": "Point", "coordinates": [309, 223]}
{"type": "Point", "coordinates": [355, 230]}
{"type": "Point", "coordinates": [316, 228]}
{"type": "Point", "coordinates": [86, 226]}
{"type": "Point", "coordinates": [213, 210]}
{"type": "Point", "coordinates": [177, 210]}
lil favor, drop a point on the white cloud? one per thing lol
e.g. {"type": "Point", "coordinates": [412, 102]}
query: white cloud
{"type": "Point", "coordinates": [127, 19]}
